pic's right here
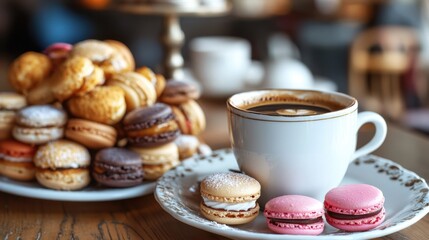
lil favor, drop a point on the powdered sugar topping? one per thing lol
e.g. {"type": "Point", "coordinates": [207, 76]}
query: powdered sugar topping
{"type": "Point", "coordinates": [228, 180]}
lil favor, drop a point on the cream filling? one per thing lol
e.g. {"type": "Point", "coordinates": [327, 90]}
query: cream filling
{"type": "Point", "coordinates": [244, 206]}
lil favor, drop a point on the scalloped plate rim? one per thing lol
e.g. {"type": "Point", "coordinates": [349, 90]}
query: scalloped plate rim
{"type": "Point", "coordinates": [237, 233]}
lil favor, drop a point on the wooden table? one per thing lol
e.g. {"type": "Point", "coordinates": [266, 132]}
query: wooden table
{"type": "Point", "coordinates": [143, 218]}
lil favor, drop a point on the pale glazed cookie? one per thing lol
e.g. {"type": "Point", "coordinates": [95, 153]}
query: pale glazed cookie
{"type": "Point", "coordinates": [91, 134]}
{"type": "Point", "coordinates": [16, 160]}
{"type": "Point", "coordinates": [204, 149]}
{"type": "Point", "coordinates": [158, 160]}
{"type": "Point", "coordinates": [62, 165]}
{"type": "Point", "coordinates": [76, 76]}
{"type": "Point", "coordinates": [230, 198]}
{"type": "Point", "coordinates": [138, 91]}
{"type": "Point", "coordinates": [9, 103]}
{"type": "Point", "coordinates": [190, 117]}
{"type": "Point", "coordinates": [103, 55]}
{"type": "Point", "coordinates": [28, 70]}
{"type": "Point", "coordinates": [39, 124]}
{"type": "Point", "coordinates": [105, 104]}
{"type": "Point", "coordinates": [187, 145]}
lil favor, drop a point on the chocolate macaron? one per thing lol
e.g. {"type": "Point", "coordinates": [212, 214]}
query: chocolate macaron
{"type": "Point", "coordinates": [118, 167]}
{"type": "Point", "coordinates": [177, 92]}
{"type": "Point", "coordinates": [151, 126]}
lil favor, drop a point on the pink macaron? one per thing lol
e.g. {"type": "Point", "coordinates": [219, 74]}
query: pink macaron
{"type": "Point", "coordinates": [294, 214]}
{"type": "Point", "coordinates": [355, 207]}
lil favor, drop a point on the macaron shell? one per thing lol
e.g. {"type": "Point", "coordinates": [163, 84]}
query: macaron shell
{"type": "Point", "coordinates": [146, 117]}
{"type": "Point", "coordinates": [12, 101]}
{"type": "Point", "coordinates": [21, 171]}
{"type": "Point", "coordinates": [293, 207]}
{"type": "Point", "coordinates": [66, 179]}
{"type": "Point", "coordinates": [153, 172]}
{"type": "Point", "coordinates": [357, 225]}
{"type": "Point", "coordinates": [177, 92]}
{"type": "Point", "coordinates": [354, 199]}
{"type": "Point", "coordinates": [90, 134]}
{"type": "Point", "coordinates": [37, 135]}
{"type": "Point", "coordinates": [15, 151]}
{"type": "Point", "coordinates": [61, 154]}
{"type": "Point", "coordinates": [158, 155]}
{"type": "Point", "coordinates": [297, 229]}
{"type": "Point", "coordinates": [229, 217]}
{"type": "Point", "coordinates": [41, 116]}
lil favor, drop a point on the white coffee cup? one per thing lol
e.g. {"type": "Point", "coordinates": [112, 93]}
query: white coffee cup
{"type": "Point", "coordinates": [298, 154]}
{"type": "Point", "coordinates": [220, 64]}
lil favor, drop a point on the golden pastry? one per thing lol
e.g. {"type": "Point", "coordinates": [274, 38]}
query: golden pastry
{"type": "Point", "coordinates": [104, 104]}
{"type": "Point", "coordinates": [76, 76]}
{"type": "Point", "coordinates": [28, 70]}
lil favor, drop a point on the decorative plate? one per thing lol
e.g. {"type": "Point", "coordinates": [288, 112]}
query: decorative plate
{"type": "Point", "coordinates": [407, 197]}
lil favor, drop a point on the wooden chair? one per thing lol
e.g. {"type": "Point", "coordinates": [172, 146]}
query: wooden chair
{"type": "Point", "coordinates": [381, 60]}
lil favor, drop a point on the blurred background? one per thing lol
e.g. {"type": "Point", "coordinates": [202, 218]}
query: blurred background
{"type": "Point", "coordinates": [375, 50]}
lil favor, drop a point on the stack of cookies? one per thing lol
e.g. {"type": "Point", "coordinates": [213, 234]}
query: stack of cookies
{"type": "Point", "coordinates": [83, 112]}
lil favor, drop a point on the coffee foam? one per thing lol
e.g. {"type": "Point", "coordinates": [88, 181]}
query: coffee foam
{"type": "Point", "coordinates": [299, 97]}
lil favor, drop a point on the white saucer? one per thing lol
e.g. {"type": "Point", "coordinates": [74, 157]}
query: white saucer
{"type": "Point", "coordinates": [88, 194]}
{"type": "Point", "coordinates": [407, 197]}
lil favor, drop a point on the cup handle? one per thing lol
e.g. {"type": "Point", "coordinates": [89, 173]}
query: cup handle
{"type": "Point", "coordinates": [379, 136]}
